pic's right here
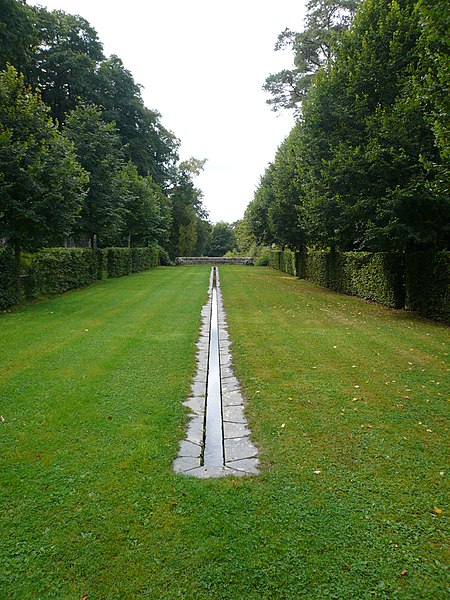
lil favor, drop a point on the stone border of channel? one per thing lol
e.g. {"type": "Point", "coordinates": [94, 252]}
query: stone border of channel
{"type": "Point", "coordinates": [241, 456]}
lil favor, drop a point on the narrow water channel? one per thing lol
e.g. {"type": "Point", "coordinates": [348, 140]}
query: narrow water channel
{"type": "Point", "coordinates": [213, 450]}
{"type": "Point", "coordinates": [217, 439]}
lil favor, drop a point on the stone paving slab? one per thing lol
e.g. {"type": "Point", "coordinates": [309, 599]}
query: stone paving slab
{"type": "Point", "coordinates": [238, 449]}
{"type": "Point", "coordinates": [240, 453]}
{"type": "Point", "coordinates": [230, 384]}
{"type": "Point", "coordinates": [248, 465]}
{"type": "Point", "coordinates": [195, 431]}
{"type": "Point", "coordinates": [196, 405]}
{"type": "Point", "coordinates": [234, 414]}
{"type": "Point", "coordinates": [235, 430]}
{"type": "Point", "coordinates": [210, 472]}
{"type": "Point", "coordinates": [233, 398]}
{"type": "Point", "coordinates": [189, 450]}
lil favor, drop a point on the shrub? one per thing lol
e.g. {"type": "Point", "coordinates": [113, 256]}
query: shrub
{"type": "Point", "coordinates": [316, 267]}
{"type": "Point", "coordinates": [164, 258]}
{"type": "Point", "coordinates": [374, 276]}
{"type": "Point", "coordinates": [9, 279]}
{"type": "Point", "coordinates": [275, 259]}
{"type": "Point", "coordinates": [284, 260]}
{"type": "Point", "coordinates": [123, 261]}
{"type": "Point", "coordinates": [263, 260]}
{"type": "Point", "coordinates": [56, 270]}
{"type": "Point", "coordinates": [377, 276]}
{"type": "Point", "coordinates": [119, 261]}
{"type": "Point", "coordinates": [428, 284]}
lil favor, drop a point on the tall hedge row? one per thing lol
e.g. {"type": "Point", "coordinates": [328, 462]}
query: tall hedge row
{"type": "Point", "coordinates": [421, 283]}
{"type": "Point", "coordinates": [123, 261]}
{"type": "Point", "coordinates": [10, 292]}
{"type": "Point", "coordinates": [284, 260]}
{"type": "Point", "coordinates": [378, 276]}
{"type": "Point", "coordinates": [56, 270]}
{"type": "Point", "coordinates": [428, 284]}
{"type": "Point", "coordinates": [316, 267]}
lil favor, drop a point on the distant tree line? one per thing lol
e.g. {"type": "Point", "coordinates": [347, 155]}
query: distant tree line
{"type": "Point", "coordinates": [82, 159]}
{"type": "Point", "coordinates": [366, 166]}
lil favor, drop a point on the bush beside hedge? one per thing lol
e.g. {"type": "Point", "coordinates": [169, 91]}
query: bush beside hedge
{"type": "Point", "coordinates": [284, 260]}
{"type": "Point", "coordinates": [377, 276]}
{"type": "Point", "coordinates": [123, 261]}
{"type": "Point", "coordinates": [316, 267]}
{"type": "Point", "coordinates": [428, 284]}
{"type": "Point", "coordinates": [56, 270]}
{"type": "Point", "coordinates": [118, 261]}
{"type": "Point", "coordinates": [10, 292]}
{"type": "Point", "coordinates": [421, 284]}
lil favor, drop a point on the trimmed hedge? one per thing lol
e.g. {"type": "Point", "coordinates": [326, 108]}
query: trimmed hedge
{"type": "Point", "coordinates": [316, 267]}
{"type": "Point", "coordinates": [123, 261]}
{"type": "Point", "coordinates": [373, 276]}
{"type": "Point", "coordinates": [118, 261]}
{"type": "Point", "coordinates": [284, 260]}
{"type": "Point", "coordinates": [428, 284]}
{"type": "Point", "coordinates": [56, 270]}
{"type": "Point", "coordinates": [10, 292]}
{"type": "Point", "coordinates": [377, 276]}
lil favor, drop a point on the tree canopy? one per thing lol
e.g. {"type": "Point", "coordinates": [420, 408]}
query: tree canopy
{"type": "Point", "coordinates": [366, 166]}
{"type": "Point", "coordinates": [91, 147]}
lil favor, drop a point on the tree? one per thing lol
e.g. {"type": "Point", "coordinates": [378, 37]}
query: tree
{"type": "Point", "coordinates": [367, 140]}
{"type": "Point", "coordinates": [222, 239]}
{"type": "Point", "coordinates": [313, 49]}
{"type": "Point", "coordinates": [17, 35]}
{"type": "Point", "coordinates": [65, 61]}
{"type": "Point", "coordinates": [41, 183]}
{"type": "Point", "coordinates": [257, 212]}
{"type": "Point", "coordinates": [187, 209]}
{"type": "Point", "coordinates": [285, 209]}
{"type": "Point", "coordinates": [243, 235]}
{"type": "Point", "coordinates": [152, 148]}
{"type": "Point", "coordinates": [203, 236]}
{"type": "Point", "coordinates": [144, 220]}
{"type": "Point", "coordinates": [99, 150]}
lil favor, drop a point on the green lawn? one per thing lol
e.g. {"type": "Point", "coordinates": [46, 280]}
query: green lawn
{"type": "Point", "coordinates": [347, 403]}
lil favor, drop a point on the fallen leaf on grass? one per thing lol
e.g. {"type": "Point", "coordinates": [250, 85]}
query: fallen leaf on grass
{"type": "Point", "coordinates": [283, 424]}
{"type": "Point", "coordinates": [85, 597]}
{"type": "Point", "coordinates": [403, 573]}
{"type": "Point", "coordinates": [317, 472]}
{"type": "Point", "coordinates": [437, 511]}
{"type": "Point", "coordinates": [442, 473]}
{"type": "Point", "coordinates": [2, 418]}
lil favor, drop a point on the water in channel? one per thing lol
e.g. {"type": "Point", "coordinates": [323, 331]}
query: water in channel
{"type": "Point", "coordinates": [213, 450]}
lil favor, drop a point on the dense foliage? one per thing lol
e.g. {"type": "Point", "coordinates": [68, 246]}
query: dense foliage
{"type": "Point", "coordinates": [81, 157]}
{"type": "Point", "coordinates": [123, 261]}
{"type": "Point", "coordinates": [366, 166]}
{"type": "Point", "coordinates": [428, 284]}
{"type": "Point", "coordinates": [313, 48]}
{"type": "Point", "coordinates": [421, 283]}
{"type": "Point", "coordinates": [9, 279]}
{"type": "Point", "coordinates": [222, 239]}
{"type": "Point", "coordinates": [56, 270]}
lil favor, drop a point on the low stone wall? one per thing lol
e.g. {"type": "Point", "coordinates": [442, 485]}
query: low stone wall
{"type": "Point", "coordinates": [214, 260]}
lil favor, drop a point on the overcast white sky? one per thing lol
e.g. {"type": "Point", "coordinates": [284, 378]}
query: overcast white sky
{"type": "Point", "coordinates": [202, 64]}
